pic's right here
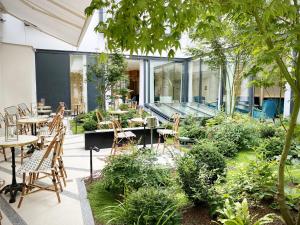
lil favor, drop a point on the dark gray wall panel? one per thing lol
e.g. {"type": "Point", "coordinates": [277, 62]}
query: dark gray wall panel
{"type": "Point", "coordinates": [53, 77]}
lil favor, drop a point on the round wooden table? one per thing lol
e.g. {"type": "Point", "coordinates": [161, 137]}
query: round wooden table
{"type": "Point", "coordinates": [23, 140]}
{"type": "Point", "coordinates": [44, 111]}
{"type": "Point", "coordinates": [33, 121]}
{"type": "Point", "coordinates": [43, 107]}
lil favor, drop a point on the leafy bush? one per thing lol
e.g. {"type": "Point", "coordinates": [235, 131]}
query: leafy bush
{"type": "Point", "coordinates": [273, 146]}
{"type": "Point", "coordinates": [124, 107]}
{"type": "Point", "coordinates": [227, 147]}
{"type": "Point", "coordinates": [131, 172]}
{"type": "Point", "coordinates": [125, 117]}
{"type": "Point", "coordinates": [89, 124]}
{"type": "Point", "coordinates": [198, 170]}
{"type": "Point", "coordinates": [267, 131]}
{"type": "Point", "coordinates": [193, 132]}
{"type": "Point", "coordinates": [257, 181]}
{"type": "Point", "coordinates": [151, 206]}
{"type": "Point", "coordinates": [238, 213]}
{"type": "Point", "coordinates": [243, 135]}
{"type": "Point", "coordinates": [206, 153]}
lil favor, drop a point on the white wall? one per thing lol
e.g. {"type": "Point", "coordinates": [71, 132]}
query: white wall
{"type": "Point", "coordinates": [17, 75]}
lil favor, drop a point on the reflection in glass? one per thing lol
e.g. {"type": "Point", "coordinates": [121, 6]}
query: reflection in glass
{"type": "Point", "coordinates": [167, 83]}
{"type": "Point", "coordinates": [210, 85]}
{"type": "Point", "coordinates": [77, 82]}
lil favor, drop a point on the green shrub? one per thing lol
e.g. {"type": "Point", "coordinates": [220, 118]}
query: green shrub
{"type": "Point", "coordinates": [206, 153]}
{"type": "Point", "coordinates": [89, 124]}
{"type": "Point", "coordinates": [130, 172]}
{"type": "Point", "coordinates": [244, 135]}
{"type": "Point", "coordinates": [193, 132]}
{"type": "Point", "coordinates": [267, 131]}
{"type": "Point", "coordinates": [125, 117]}
{"type": "Point", "coordinates": [227, 147]}
{"type": "Point", "coordinates": [198, 171]}
{"type": "Point", "coordinates": [151, 206]}
{"type": "Point", "coordinates": [124, 107]}
{"type": "Point", "coordinates": [273, 146]}
{"type": "Point", "coordinates": [257, 181]}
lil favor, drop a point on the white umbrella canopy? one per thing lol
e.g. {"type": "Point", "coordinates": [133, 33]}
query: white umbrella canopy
{"type": "Point", "coordinates": [63, 19]}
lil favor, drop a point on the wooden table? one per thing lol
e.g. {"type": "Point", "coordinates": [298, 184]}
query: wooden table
{"type": "Point", "coordinates": [44, 107]}
{"type": "Point", "coordinates": [118, 113]}
{"type": "Point", "coordinates": [44, 111]}
{"type": "Point", "coordinates": [33, 121]}
{"type": "Point", "coordinates": [23, 140]}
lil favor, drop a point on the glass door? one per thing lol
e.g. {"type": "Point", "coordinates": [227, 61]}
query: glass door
{"type": "Point", "coordinates": [77, 83]}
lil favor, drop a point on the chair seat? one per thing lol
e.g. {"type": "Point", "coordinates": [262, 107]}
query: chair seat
{"type": "Point", "coordinates": [126, 134]}
{"type": "Point", "coordinates": [31, 164]}
{"type": "Point", "coordinates": [166, 132]}
{"type": "Point", "coordinates": [137, 120]}
{"type": "Point", "coordinates": [105, 123]}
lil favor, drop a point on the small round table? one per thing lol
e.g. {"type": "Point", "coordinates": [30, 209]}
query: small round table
{"type": "Point", "coordinates": [118, 113]}
{"type": "Point", "coordinates": [14, 187]}
{"type": "Point", "coordinates": [44, 107]}
{"type": "Point", "coordinates": [33, 121]}
{"type": "Point", "coordinates": [44, 111]}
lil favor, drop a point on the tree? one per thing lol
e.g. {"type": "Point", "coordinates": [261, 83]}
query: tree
{"type": "Point", "coordinates": [106, 74]}
{"type": "Point", "coordinates": [268, 29]}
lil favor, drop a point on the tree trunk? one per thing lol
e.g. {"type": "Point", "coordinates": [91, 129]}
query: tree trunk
{"type": "Point", "coordinates": [288, 140]}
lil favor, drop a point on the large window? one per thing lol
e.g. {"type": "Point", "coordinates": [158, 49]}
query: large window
{"type": "Point", "coordinates": [77, 82]}
{"type": "Point", "coordinates": [167, 83]}
{"type": "Point", "coordinates": [205, 83]}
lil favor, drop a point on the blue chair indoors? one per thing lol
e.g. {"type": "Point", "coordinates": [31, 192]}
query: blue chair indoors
{"type": "Point", "coordinates": [268, 110]}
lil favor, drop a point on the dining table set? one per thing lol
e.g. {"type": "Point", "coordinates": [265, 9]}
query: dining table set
{"type": "Point", "coordinates": [20, 124]}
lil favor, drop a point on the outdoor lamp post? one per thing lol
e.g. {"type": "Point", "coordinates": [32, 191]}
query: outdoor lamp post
{"type": "Point", "coordinates": [151, 123]}
{"type": "Point", "coordinates": [96, 149]}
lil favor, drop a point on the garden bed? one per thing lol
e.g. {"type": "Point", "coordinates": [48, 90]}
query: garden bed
{"type": "Point", "coordinates": [233, 164]}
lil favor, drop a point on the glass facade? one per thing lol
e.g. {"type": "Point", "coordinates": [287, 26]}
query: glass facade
{"type": "Point", "coordinates": [204, 84]}
{"type": "Point", "coordinates": [77, 83]}
{"type": "Point", "coordinates": [167, 83]}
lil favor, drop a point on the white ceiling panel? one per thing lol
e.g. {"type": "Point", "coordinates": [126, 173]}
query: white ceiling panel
{"type": "Point", "coordinates": [63, 19]}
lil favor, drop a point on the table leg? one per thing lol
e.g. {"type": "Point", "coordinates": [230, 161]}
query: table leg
{"type": "Point", "coordinates": [34, 126]}
{"type": "Point", "coordinates": [14, 187]}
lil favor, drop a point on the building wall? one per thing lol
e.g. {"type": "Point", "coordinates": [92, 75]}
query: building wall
{"type": "Point", "coordinates": [17, 75]}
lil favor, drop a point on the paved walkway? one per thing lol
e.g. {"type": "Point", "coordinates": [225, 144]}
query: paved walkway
{"type": "Point", "coordinates": [42, 208]}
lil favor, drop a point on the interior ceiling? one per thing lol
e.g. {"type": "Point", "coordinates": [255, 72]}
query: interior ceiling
{"type": "Point", "coordinates": [63, 19]}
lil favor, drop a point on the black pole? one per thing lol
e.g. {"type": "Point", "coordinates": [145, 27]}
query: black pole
{"type": "Point", "coordinates": [91, 163]}
{"type": "Point", "coordinates": [144, 136]}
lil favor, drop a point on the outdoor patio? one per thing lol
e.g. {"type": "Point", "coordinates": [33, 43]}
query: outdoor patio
{"type": "Point", "coordinates": [43, 208]}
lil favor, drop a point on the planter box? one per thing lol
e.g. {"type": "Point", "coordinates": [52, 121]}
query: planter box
{"type": "Point", "coordinates": [104, 138]}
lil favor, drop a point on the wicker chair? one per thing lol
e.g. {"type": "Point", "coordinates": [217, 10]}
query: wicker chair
{"type": "Point", "coordinates": [165, 133]}
{"type": "Point", "coordinates": [2, 182]}
{"type": "Point", "coordinates": [102, 122]}
{"type": "Point", "coordinates": [42, 163]}
{"type": "Point", "coordinates": [120, 136]}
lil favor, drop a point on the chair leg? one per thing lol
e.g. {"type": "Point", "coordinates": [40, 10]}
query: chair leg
{"type": "Point", "coordinates": [158, 142]}
{"type": "Point", "coordinates": [62, 170]}
{"type": "Point", "coordinates": [55, 185]}
{"type": "Point", "coordinates": [58, 180]}
{"type": "Point", "coordinates": [23, 190]}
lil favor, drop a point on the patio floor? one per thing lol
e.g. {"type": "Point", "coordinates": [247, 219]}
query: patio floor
{"type": "Point", "coordinates": [42, 207]}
